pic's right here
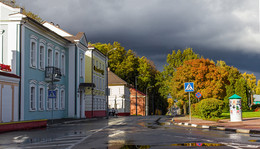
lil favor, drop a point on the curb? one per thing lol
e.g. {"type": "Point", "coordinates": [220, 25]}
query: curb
{"type": "Point", "coordinates": [248, 131]}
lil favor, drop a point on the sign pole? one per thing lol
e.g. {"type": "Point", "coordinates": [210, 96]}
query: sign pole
{"type": "Point", "coordinates": [189, 107]}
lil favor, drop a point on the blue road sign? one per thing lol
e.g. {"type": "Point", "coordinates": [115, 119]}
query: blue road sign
{"type": "Point", "coordinates": [189, 87]}
{"type": "Point", "coordinates": [198, 95]}
{"type": "Point", "coordinates": [51, 94]}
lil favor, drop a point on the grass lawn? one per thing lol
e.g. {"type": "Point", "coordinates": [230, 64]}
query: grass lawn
{"type": "Point", "coordinates": [244, 115]}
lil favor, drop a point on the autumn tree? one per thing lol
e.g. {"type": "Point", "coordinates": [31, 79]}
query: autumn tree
{"type": "Point", "coordinates": [207, 77]}
{"type": "Point", "coordinates": [174, 61]}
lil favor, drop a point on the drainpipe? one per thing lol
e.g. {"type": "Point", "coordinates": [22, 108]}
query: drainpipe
{"type": "Point", "coordinates": [20, 73]}
{"type": "Point", "coordinates": [92, 98]}
{"type": "Point", "coordinates": [76, 96]}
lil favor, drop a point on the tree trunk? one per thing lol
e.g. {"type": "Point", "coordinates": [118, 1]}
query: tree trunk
{"type": "Point", "coordinates": [184, 109]}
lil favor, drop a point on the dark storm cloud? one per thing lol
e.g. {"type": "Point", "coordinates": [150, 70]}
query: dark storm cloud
{"type": "Point", "coordinates": [222, 29]}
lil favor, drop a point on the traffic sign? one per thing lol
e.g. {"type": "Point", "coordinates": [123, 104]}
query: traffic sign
{"type": "Point", "coordinates": [51, 94]}
{"type": "Point", "coordinates": [189, 87]}
{"type": "Point", "coordinates": [198, 95]}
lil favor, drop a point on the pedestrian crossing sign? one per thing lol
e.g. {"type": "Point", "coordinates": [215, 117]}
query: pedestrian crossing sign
{"type": "Point", "coordinates": [51, 94]}
{"type": "Point", "coordinates": [189, 87]}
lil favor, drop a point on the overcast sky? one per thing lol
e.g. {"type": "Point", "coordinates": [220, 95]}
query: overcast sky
{"type": "Point", "coordinates": [216, 29]}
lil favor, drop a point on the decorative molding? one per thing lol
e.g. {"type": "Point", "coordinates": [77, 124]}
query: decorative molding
{"type": "Point", "coordinates": [57, 48]}
{"type": "Point", "coordinates": [34, 37]}
{"type": "Point", "coordinates": [62, 86]}
{"type": "Point", "coordinates": [63, 51]}
{"type": "Point", "coordinates": [42, 83]}
{"type": "Point", "coordinates": [50, 45]}
{"type": "Point", "coordinates": [43, 41]}
{"type": "Point", "coordinates": [33, 82]}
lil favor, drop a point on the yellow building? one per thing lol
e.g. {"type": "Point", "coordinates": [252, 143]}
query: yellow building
{"type": "Point", "coordinates": [95, 72]}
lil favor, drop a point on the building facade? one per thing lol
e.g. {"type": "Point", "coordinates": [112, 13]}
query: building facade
{"type": "Point", "coordinates": [9, 101]}
{"type": "Point", "coordinates": [46, 61]}
{"type": "Point", "coordinates": [119, 97]}
{"type": "Point", "coordinates": [95, 73]}
{"type": "Point", "coordinates": [140, 102]}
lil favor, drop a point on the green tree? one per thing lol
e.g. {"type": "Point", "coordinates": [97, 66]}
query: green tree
{"type": "Point", "coordinates": [232, 77]}
{"type": "Point", "coordinates": [240, 90]}
{"type": "Point", "coordinates": [174, 61]}
{"type": "Point", "coordinates": [257, 90]}
{"type": "Point", "coordinates": [251, 86]}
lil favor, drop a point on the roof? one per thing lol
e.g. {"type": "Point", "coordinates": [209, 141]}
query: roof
{"type": "Point", "coordinates": [77, 37]}
{"type": "Point", "coordinates": [139, 92]}
{"type": "Point", "coordinates": [235, 96]}
{"type": "Point", "coordinates": [114, 79]}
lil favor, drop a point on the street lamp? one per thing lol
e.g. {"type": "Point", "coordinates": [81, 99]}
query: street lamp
{"type": "Point", "coordinates": [136, 94]}
{"type": "Point", "coordinates": [147, 102]}
{"type": "Point", "coordinates": [106, 62]}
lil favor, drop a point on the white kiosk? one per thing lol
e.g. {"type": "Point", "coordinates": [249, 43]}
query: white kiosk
{"type": "Point", "coordinates": [235, 108]}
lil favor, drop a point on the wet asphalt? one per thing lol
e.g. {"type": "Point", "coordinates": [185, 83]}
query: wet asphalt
{"type": "Point", "coordinates": [131, 132]}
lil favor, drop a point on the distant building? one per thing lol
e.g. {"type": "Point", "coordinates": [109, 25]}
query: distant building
{"type": "Point", "coordinates": [256, 99]}
{"type": "Point", "coordinates": [140, 102]}
{"type": "Point", "coordinates": [119, 97]}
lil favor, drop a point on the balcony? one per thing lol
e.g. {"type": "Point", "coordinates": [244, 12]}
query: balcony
{"type": "Point", "coordinates": [52, 74]}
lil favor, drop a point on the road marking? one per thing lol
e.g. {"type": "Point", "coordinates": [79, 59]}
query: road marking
{"type": "Point", "coordinates": [83, 139]}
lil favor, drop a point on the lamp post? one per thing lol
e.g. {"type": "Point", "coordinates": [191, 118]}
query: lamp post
{"type": "Point", "coordinates": [146, 101]}
{"type": "Point", "coordinates": [136, 94]}
{"type": "Point", "coordinates": [106, 92]}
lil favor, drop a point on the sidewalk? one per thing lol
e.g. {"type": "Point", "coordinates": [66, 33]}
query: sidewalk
{"type": "Point", "coordinates": [248, 125]}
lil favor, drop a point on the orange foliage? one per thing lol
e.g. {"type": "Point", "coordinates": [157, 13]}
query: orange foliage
{"type": "Point", "coordinates": [207, 77]}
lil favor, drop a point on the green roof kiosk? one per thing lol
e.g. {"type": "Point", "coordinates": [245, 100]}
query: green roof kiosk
{"type": "Point", "coordinates": [235, 108]}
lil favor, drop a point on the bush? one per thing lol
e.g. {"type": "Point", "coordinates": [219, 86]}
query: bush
{"type": "Point", "coordinates": [255, 107]}
{"type": "Point", "coordinates": [210, 108]}
{"type": "Point", "coordinates": [195, 109]}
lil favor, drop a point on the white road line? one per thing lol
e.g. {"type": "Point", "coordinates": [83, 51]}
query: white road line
{"type": "Point", "coordinates": [83, 139]}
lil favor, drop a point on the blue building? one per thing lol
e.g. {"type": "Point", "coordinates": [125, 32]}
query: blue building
{"type": "Point", "coordinates": [40, 56]}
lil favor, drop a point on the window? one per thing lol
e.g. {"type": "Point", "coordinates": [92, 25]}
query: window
{"type": "Point", "coordinates": [63, 64]}
{"type": "Point", "coordinates": [62, 99]}
{"type": "Point", "coordinates": [56, 64]}
{"type": "Point", "coordinates": [33, 54]}
{"type": "Point", "coordinates": [81, 66]}
{"type": "Point", "coordinates": [32, 98]}
{"type": "Point", "coordinates": [56, 100]}
{"type": "Point", "coordinates": [41, 58]}
{"type": "Point", "coordinates": [49, 61]}
{"type": "Point", "coordinates": [41, 98]}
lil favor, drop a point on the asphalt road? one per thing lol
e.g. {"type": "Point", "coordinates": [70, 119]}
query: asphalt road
{"type": "Point", "coordinates": [125, 133]}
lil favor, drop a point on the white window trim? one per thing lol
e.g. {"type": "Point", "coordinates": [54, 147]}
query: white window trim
{"type": "Point", "coordinates": [30, 95]}
{"type": "Point", "coordinates": [34, 57]}
{"type": "Point", "coordinates": [62, 107]}
{"type": "Point", "coordinates": [43, 101]}
{"type": "Point", "coordinates": [81, 65]}
{"type": "Point", "coordinates": [57, 99]}
{"type": "Point", "coordinates": [43, 60]}
{"type": "Point", "coordinates": [49, 48]}
{"type": "Point", "coordinates": [63, 64]}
